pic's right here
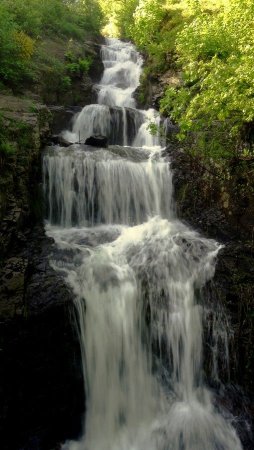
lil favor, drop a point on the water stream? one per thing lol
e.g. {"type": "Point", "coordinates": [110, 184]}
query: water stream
{"type": "Point", "coordinates": [137, 275]}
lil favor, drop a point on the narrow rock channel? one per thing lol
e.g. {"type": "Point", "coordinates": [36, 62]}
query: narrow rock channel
{"type": "Point", "coordinates": [137, 276]}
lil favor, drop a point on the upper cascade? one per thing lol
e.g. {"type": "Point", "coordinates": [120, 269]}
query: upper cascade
{"type": "Point", "coordinates": [115, 115]}
{"type": "Point", "coordinates": [123, 67]}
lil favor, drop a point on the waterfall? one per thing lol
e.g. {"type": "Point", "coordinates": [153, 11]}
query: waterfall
{"type": "Point", "coordinates": [98, 188]}
{"type": "Point", "coordinates": [137, 275]}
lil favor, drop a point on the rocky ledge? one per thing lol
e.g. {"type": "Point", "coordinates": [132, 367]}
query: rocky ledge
{"type": "Point", "coordinates": [24, 127]}
{"type": "Point", "coordinates": [42, 393]}
{"type": "Point", "coordinates": [42, 390]}
{"type": "Point", "coordinates": [222, 208]}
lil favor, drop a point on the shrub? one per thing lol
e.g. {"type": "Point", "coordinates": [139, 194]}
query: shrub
{"type": "Point", "coordinates": [24, 23]}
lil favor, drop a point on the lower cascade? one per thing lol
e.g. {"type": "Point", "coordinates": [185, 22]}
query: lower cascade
{"type": "Point", "coordinates": [137, 275]}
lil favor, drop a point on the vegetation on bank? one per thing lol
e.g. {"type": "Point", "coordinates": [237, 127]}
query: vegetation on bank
{"type": "Point", "coordinates": [208, 44]}
{"type": "Point", "coordinates": [43, 55]}
{"type": "Point", "coordinates": [211, 43]}
{"type": "Point", "coordinates": [26, 25]}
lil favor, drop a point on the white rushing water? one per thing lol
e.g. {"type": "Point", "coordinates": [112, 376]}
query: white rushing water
{"type": "Point", "coordinates": [136, 273]}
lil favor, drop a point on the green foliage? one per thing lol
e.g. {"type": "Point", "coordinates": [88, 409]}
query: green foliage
{"type": "Point", "coordinates": [117, 14]}
{"type": "Point", "coordinates": [212, 43]}
{"type": "Point", "coordinates": [153, 128]}
{"type": "Point", "coordinates": [6, 149]}
{"type": "Point", "coordinates": [14, 64]}
{"type": "Point", "coordinates": [53, 74]}
{"type": "Point", "coordinates": [147, 18]}
{"type": "Point", "coordinates": [65, 83]}
{"type": "Point", "coordinates": [85, 64]}
{"type": "Point", "coordinates": [55, 17]}
{"type": "Point", "coordinates": [33, 108]}
{"type": "Point", "coordinates": [216, 54]}
{"type": "Point", "coordinates": [151, 24]}
{"type": "Point", "coordinates": [72, 68]}
{"type": "Point", "coordinates": [78, 67]}
{"type": "Point", "coordinates": [23, 24]}
{"type": "Point", "coordinates": [88, 14]}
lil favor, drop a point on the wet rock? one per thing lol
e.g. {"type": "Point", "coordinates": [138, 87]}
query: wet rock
{"type": "Point", "coordinates": [80, 90]}
{"type": "Point", "coordinates": [60, 140]}
{"type": "Point", "coordinates": [40, 362]}
{"type": "Point", "coordinates": [26, 128]}
{"type": "Point", "coordinates": [62, 117]}
{"type": "Point", "coordinates": [97, 67]}
{"type": "Point", "coordinates": [213, 206]}
{"type": "Point", "coordinates": [232, 399]}
{"type": "Point", "coordinates": [171, 129]}
{"type": "Point", "coordinates": [97, 141]}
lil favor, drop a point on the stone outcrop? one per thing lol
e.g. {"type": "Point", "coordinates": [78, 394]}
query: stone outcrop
{"type": "Point", "coordinates": [25, 126]}
{"type": "Point", "coordinates": [62, 118]}
{"type": "Point", "coordinates": [58, 85]}
{"type": "Point", "coordinates": [97, 141]}
{"type": "Point", "coordinates": [59, 140]}
{"type": "Point", "coordinates": [152, 87]}
{"type": "Point", "coordinates": [42, 390]}
{"type": "Point", "coordinates": [40, 362]}
{"type": "Point", "coordinates": [223, 208]}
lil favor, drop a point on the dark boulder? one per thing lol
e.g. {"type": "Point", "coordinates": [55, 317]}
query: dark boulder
{"type": "Point", "coordinates": [97, 141]}
{"type": "Point", "coordinates": [42, 388]}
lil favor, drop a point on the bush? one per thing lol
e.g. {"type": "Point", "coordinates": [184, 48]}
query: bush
{"type": "Point", "coordinates": [216, 53]}
{"type": "Point", "coordinates": [24, 23]}
{"type": "Point", "coordinates": [16, 49]}
{"type": "Point", "coordinates": [212, 43]}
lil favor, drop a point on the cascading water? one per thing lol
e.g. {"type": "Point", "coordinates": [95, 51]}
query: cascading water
{"type": "Point", "coordinates": [136, 273]}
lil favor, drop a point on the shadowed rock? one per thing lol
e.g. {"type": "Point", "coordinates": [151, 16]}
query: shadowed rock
{"type": "Point", "coordinates": [60, 140]}
{"type": "Point", "coordinates": [97, 141]}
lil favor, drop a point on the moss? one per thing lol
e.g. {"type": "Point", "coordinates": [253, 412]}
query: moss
{"type": "Point", "coordinates": [7, 149]}
{"type": "Point", "coordinates": [182, 193]}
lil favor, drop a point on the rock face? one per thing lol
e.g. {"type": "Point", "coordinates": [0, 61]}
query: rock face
{"type": "Point", "coordinates": [57, 139]}
{"type": "Point", "coordinates": [41, 393]}
{"type": "Point", "coordinates": [40, 358]}
{"type": "Point", "coordinates": [97, 68]}
{"type": "Point", "coordinates": [152, 87]}
{"type": "Point", "coordinates": [67, 86]}
{"type": "Point", "coordinates": [62, 118]}
{"type": "Point", "coordinates": [222, 208]}
{"type": "Point", "coordinates": [97, 141]}
{"type": "Point", "coordinates": [26, 127]}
